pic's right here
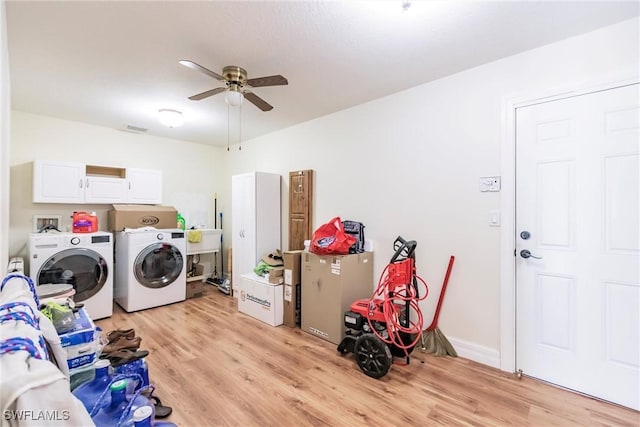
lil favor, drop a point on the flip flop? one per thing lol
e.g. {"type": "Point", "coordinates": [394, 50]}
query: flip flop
{"type": "Point", "coordinates": [123, 356]}
{"type": "Point", "coordinates": [161, 410]}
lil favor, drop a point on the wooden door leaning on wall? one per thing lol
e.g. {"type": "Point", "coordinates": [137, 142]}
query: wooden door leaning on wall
{"type": "Point", "coordinates": [300, 208]}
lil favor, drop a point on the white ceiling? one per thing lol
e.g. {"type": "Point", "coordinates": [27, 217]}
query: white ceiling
{"type": "Point", "coordinates": [115, 63]}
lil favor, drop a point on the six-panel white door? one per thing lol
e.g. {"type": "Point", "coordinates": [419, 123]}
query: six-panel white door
{"type": "Point", "coordinates": [577, 210]}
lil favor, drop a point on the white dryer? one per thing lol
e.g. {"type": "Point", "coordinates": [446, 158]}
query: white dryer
{"type": "Point", "coordinates": [150, 268]}
{"type": "Point", "coordinates": [84, 260]}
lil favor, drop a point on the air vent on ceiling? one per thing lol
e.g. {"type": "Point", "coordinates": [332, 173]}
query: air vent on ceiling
{"type": "Point", "coordinates": [135, 129]}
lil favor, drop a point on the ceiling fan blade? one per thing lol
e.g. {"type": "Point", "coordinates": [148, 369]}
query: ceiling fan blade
{"type": "Point", "coordinates": [268, 81]}
{"type": "Point", "coordinates": [257, 101]}
{"type": "Point", "coordinates": [200, 68]}
{"type": "Point", "coordinates": [207, 94]}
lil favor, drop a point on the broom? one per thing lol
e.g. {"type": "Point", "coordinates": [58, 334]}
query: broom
{"type": "Point", "coordinates": [433, 340]}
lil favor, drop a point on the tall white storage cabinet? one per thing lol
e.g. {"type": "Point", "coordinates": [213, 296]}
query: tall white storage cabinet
{"type": "Point", "coordinates": [255, 222]}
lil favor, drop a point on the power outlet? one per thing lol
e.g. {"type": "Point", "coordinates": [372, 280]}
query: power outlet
{"type": "Point", "coordinates": [489, 183]}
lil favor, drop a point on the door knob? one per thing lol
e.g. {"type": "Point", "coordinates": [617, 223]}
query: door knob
{"type": "Point", "coordinates": [525, 253]}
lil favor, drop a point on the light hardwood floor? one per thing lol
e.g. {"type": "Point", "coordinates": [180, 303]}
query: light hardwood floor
{"type": "Point", "coordinates": [218, 367]}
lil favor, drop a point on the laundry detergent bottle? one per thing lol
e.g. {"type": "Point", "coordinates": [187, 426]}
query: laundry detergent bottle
{"type": "Point", "coordinates": [84, 222]}
{"type": "Point", "coordinates": [181, 223]}
{"type": "Point", "coordinates": [89, 392]}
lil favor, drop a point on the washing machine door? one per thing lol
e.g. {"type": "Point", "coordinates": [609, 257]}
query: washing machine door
{"type": "Point", "coordinates": [158, 265]}
{"type": "Point", "coordinates": [83, 268]}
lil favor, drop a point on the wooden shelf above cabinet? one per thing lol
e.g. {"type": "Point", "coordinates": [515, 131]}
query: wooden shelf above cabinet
{"type": "Point", "coordinates": [91, 170]}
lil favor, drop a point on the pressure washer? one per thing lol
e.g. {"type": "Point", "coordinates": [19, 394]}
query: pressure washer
{"type": "Point", "coordinates": [389, 324]}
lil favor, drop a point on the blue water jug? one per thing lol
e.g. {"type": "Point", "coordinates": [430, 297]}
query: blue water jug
{"type": "Point", "coordinates": [143, 417]}
{"type": "Point", "coordinates": [117, 408]}
{"type": "Point", "coordinates": [89, 392]}
{"type": "Point", "coordinates": [138, 366]}
{"type": "Point", "coordinates": [109, 416]}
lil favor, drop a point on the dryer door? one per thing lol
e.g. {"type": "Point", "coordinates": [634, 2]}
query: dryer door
{"type": "Point", "coordinates": [83, 268]}
{"type": "Point", "coordinates": [158, 265]}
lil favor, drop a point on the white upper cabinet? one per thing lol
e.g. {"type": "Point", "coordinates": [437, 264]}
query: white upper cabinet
{"type": "Point", "coordinates": [67, 182]}
{"type": "Point", "coordinates": [104, 189]}
{"type": "Point", "coordinates": [144, 186]}
{"type": "Point", "coordinates": [58, 182]}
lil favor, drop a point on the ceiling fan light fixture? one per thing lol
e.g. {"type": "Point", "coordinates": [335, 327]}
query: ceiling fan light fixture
{"type": "Point", "coordinates": [170, 118]}
{"type": "Point", "coordinates": [234, 97]}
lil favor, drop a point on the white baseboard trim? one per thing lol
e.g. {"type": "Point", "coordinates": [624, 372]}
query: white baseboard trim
{"type": "Point", "coordinates": [476, 352]}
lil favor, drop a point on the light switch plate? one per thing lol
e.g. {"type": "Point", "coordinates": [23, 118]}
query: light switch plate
{"type": "Point", "coordinates": [494, 218]}
{"type": "Point", "coordinates": [489, 183]}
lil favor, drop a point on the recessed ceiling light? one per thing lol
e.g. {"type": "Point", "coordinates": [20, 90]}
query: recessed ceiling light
{"type": "Point", "coordinates": [171, 118]}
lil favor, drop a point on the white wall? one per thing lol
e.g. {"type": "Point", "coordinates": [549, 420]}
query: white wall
{"type": "Point", "coordinates": [5, 97]}
{"type": "Point", "coordinates": [192, 173]}
{"type": "Point", "coordinates": [407, 164]}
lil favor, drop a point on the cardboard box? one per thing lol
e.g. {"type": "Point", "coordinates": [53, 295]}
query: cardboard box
{"type": "Point", "coordinates": [292, 264]}
{"type": "Point", "coordinates": [292, 305]}
{"type": "Point", "coordinates": [136, 216]}
{"type": "Point", "coordinates": [195, 289]}
{"type": "Point", "coordinates": [275, 276]}
{"type": "Point", "coordinates": [81, 343]}
{"type": "Point", "coordinates": [330, 284]}
{"type": "Point", "coordinates": [292, 284]}
{"type": "Point", "coordinates": [260, 299]}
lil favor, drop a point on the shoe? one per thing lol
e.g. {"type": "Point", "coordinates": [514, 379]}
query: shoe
{"type": "Point", "coordinates": [123, 343]}
{"type": "Point", "coordinates": [161, 410]}
{"type": "Point", "coordinates": [123, 356]}
{"type": "Point", "coordinates": [117, 333]}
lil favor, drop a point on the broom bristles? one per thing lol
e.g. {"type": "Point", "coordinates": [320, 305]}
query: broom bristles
{"type": "Point", "coordinates": [436, 342]}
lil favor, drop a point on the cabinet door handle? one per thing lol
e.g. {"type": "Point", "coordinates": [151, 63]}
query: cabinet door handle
{"type": "Point", "coordinates": [129, 185]}
{"type": "Point", "coordinates": [81, 183]}
{"type": "Point", "coordinates": [87, 182]}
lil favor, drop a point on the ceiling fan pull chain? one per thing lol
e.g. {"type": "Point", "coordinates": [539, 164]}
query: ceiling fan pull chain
{"type": "Point", "coordinates": [228, 125]}
{"type": "Point", "coordinates": [240, 127]}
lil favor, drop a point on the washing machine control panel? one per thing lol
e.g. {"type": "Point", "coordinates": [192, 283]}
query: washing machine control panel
{"type": "Point", "coordinates": [160, 236]}
{"type": "Point", "coordinates": [75, 240]}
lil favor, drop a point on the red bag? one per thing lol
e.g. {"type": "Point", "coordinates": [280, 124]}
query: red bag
{"type": "Point", "coordinates": [331, 239]}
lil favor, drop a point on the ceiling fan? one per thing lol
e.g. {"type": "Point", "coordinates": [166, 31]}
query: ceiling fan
{"type": "Point", "coordinates": [235, 79]}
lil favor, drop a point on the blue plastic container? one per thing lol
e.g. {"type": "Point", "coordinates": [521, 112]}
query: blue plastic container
{"type": "Point", "coordinates": [142, 417]}
{"type": "Point", "coordinates": [138, 366]}
{"type": "Point", "coordinates": [89, 392]}
{"type": "Point", "coordinates": [109, 416]}
{"type": "Point", "coordinates": [120, 406]}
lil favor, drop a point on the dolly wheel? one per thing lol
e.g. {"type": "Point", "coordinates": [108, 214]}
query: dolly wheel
{"type": "Point", "coordinates": [373, 355]}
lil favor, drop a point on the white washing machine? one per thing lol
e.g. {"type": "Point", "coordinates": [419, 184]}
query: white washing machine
{"type": "Point", "coordinates": [150, 268]}
{"type": "Point", "coordinates": [84, 260]}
